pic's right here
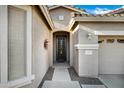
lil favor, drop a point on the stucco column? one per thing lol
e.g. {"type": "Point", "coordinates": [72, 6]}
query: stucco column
{"type": "Point", "coordinates": [3, 44]}
{"type": "Point", "coordinates": [87, 59]}
{"type": "Point", "coordinates": [71, 49]}
{"type": "Point", "coordinates": [87, 54]}
{"type": "Point", "coordinates": [51, 49]}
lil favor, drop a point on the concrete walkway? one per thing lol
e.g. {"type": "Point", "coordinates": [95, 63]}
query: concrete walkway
{"type": "Point", "coordinates": [61, 78]}
{"type": "Point", "coordinates": [61, 75]}
{"type": "Point", "coordinates": [113, 81]}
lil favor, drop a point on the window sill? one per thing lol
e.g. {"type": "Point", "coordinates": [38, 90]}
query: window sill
{"type": "Point", "coordinates": [19, 82]}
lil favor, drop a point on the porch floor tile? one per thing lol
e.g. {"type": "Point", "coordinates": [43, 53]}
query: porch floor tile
{"type": "Point", "coordinates": [61, 84]}
{"type": "Point", "coordinates": [61, 74]}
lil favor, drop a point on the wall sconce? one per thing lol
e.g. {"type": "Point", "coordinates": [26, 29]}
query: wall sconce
{"type": "Point", "coordinates": [46, 43]}
{"type": "Point", "coordinates": [100, 41]}
{"type": "Point", "coordinates": [89, 36]}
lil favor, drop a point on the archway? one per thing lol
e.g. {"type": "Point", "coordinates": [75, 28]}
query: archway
{"type": "Point", "coordinates": [61, 47]}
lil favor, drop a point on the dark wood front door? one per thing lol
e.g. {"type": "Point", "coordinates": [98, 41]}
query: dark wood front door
{"type": "Point", "coordinates": [61, 48]}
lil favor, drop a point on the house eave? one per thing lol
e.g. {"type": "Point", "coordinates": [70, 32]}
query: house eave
{"type": "Point", "coordinates": [102, 33]}
{"type": "Point", "coordinates": [70, 8]}
{"type": "Point", "coordinates": [99, 19]}
{"type": "Point", "coordinates": [47, 16]}
{"type": "Point", "coordinates": [71, 24]}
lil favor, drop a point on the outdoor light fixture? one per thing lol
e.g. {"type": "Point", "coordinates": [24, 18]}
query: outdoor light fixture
{"type": "Point", "coordinates": [100, 41]}
{"type": "Point", "coordinates": [46, 43]}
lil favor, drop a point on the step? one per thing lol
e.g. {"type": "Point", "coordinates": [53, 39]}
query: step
{"type": "Point", "coordinates": [61, 84]}
{"type": "Point", "coordinates": [92, 86]}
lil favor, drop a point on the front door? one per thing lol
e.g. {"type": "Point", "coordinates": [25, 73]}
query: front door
{"type": "Point", "coordinates": [61, 48]}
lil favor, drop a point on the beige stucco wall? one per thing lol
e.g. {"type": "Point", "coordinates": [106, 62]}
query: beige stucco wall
{"type": "Point", "coordinates": [40, 55]}
{"type": "Point", "coordinates": [75, 52]}
{"type": "Point", "coordinates": [104, 26]}
{"type": "Point", "coordinates": [85, 65]}
{"type": "Point", "coordinates": [83, 37]}
{"type": "Point", "coordinates": [109, 55]}
{"type": "Point", "coordinates": [88, 64]}
{"type": "Point", "coordinates": [61, 24]}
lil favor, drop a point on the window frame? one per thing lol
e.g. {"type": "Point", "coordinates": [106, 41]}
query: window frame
{"type": "Point", "coordinates": [4, 61]}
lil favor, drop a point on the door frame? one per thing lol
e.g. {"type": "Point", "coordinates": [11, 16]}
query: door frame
{"type": "Point", "coordinates": [68, 45]}
{"type": "Point", "coordinates": [64, 38]}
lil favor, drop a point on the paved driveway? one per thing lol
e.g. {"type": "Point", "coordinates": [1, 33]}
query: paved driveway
{"type": "Point", "coordinates": [113, 81]}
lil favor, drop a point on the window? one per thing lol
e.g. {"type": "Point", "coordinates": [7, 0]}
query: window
{"type": "Point", "coordinates": [120, 40]}
{"type": "Point", "coordinates": [17, 50]}
{"type": "Point", "coordinates": [110, 40]}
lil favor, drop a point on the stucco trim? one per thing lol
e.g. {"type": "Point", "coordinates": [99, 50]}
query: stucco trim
{"type": "Point", "coordinates": [71, 23]}
{"type": "Point", "coordinates": [96, 32]}
{"type": "Point", "coordinates": [121, 33]}
{"type": "Point", "coordinates": [86, 46]}
{"type": "Point", "coordinates": [3, 44]}
{"type": "Point", "coordinates": [28, 39]}
{"type": "Point", "coordinates": [99, 19]}
{"type": "Point", "coordinates": [19, 82]}
{"type": "Point", "coordinates": [76, 29]}
{"type": "Point", "coordinates": [47, 15]}
{"type": "Point", "coordinates": [65, 6]}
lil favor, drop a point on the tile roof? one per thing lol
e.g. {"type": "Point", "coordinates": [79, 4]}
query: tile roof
{"type": "Point", "coordinates": [117, 11]}
{"type": "Point", "coordinates": [76, 14]}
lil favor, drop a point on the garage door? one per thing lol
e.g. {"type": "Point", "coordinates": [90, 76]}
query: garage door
{"type": "Point", "coordinates": [111, 55]}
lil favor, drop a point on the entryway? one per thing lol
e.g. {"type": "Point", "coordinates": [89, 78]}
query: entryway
{"type": "Point", "coordinates": [61, 47]}
{"type": "Point", "coordinates": [61, 75]}
{"type": "Point", "coordinates": [61, 78]}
